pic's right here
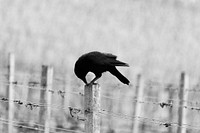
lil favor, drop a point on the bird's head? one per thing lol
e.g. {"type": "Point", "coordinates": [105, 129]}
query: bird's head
{"type": "Point", "coordinates": [80, 73]}
{"type": "Point", "coordinates": [82, 77]}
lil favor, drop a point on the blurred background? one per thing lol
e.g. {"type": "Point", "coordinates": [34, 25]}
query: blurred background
{"type": "Point", "coordinates": [157, 38]}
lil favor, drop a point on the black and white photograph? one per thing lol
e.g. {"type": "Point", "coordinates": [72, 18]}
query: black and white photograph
{"type": "Point", "coordinates": [99, 66]}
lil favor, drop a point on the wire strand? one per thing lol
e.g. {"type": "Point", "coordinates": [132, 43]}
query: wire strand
{"type": "Point", "coordinates": [133, 100]}
{"type": "Point", "coordinates": [19, 124]}
{"type": "Point", "coordinates": [61, 93]}
{"type": "Point", "coordinates": [149, 120]}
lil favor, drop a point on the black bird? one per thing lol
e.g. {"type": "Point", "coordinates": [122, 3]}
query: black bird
{"type": "Point", "coordinates": [98, 63]}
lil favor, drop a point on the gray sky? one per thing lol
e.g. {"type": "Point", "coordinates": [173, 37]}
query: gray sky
{"type": "Point", "coordinates": [156, 37]}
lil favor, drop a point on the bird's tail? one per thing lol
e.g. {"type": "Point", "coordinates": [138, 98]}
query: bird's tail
{"type": "Point", "coordinates": [116, 73]}
{"type": "Point", "coordinates": [118, 63]}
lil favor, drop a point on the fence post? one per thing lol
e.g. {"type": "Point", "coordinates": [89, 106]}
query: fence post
{"type": "Point", "coordinates": [65, 96]}
{"type": "Point", "coordinates": [10, 93]}
{"type": "Point", "coordinates": [45, 96]}
{"type": "Point", "coordinates": [139, 93]}
{"type": "Point", "coordinates": [92, 108]}
{"type": "Point", "coordinates": [110, 118]}
{"type": "Point", "coordinates": [184, 84]}
{"type": "Point", "coordinates": [170, 97]}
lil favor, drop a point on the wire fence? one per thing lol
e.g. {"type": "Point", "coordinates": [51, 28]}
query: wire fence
{"type": "Point", "coordinates": [77, 113]}
{"type": "Point", "coordinates": [172, 104]}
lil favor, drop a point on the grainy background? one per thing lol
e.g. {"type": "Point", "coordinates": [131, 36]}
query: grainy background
{"type": "Point", "coordinates": [158, 38]}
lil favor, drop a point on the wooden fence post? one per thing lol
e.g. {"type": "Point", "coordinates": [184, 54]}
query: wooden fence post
{"type": "Point", "coordinates": [184, 84]}
{"type": "Point", "coordinates": [45, 96]}
{"type": "Point", "coordinates": [110, 105]}
{"type": "Point", "coordinates": [170, 97]}
{"type": "Point", "coordinates": [65, 96]}
{"type": "Point", "coordinates": [137, 111]}
{"type": "Point", "coordinates": [10, 93]}
{"type": "Point", "coordinates": [92, 108]}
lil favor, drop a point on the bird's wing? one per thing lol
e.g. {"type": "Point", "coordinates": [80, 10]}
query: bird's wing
{"type": "Point", "coordinates": [106, 59]}
{"type": "Point", "coordinates": [111, 60]}
{"type": "Point", "coordinates": [117, 63]}
{"type": "Point", "coordinates": [109, 55]}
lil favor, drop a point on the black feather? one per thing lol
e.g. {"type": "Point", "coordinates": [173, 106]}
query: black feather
{"type": "Point", "coordinates": [98, 63]}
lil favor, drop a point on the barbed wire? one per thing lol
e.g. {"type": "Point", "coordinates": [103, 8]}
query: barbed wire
{"type": "Point", "coordinates": [149, 120]}
{"type": "Point", "coordinates": [33, 85]}
{"type": "Point", "coordinates": [167, 124]}
{"type": "Point", "coordinates": [37, 126]}
{"type": "Point", "coordinates": [147, 83]}
{"type": "Point", "coordinates": [38, 76]}
{"type": "Point", "coordinates": [33, 105]}
{"type": "Point", "coordinates": [62, 93]}
{"type": "Point", "coordinates": [59, 92]}
{"type": "Point", "coordinates": [161, 104]}
{"type": "Point", "coordinates": [145, 120]}
{"type": "Point", "coordinates": [22, 126]}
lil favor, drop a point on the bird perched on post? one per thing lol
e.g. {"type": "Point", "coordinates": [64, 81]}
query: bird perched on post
{"type": "Point", "coordinates": [98, 63]}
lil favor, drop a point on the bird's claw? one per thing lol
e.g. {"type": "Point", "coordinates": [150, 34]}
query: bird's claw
{"type": "Point", "coordinates": [91, 83]}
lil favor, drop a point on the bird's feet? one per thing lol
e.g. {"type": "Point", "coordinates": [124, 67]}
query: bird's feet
{"type": "Point", "coordinates": [91, 83]}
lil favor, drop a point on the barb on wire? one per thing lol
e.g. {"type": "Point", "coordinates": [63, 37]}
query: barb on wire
{"type": "Point", "coordinates": [61, 93]}
{"type": "Point", "coordinates": [167, 124]}
{"type": "Point", "coordinates": [32, 105]}
{"type": "Point", "coordinates": [76, 113]}
{"type": "Point", "coordinates": [192, 108]}
{"type": "Point", "coordinates": [33, 83]}
{"type": "Point", "coordinates": [14, 82]}
{"type": "Point", "coordinates": [149, 120]}
{"type": "Point", "coordinates": [163, 104]}
{"type": "Point", "coordinates": [80, 93]}
{"type": "Point", "coordinates": [4, 99]}
{"type": "Point", "coordinates": [18, 102]}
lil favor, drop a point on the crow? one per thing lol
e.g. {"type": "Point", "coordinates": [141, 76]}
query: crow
{"type": "Point", "coordinates": [97, 63]}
